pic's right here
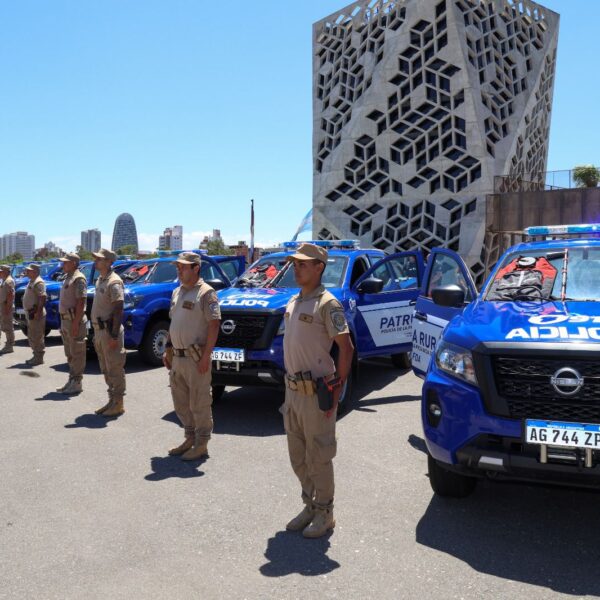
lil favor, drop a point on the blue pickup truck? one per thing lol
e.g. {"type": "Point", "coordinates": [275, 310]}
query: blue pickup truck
{"type": "Point", "coordinates": [513, 387]}
{"type": "Point", "coordinates": [378, 293]}
{"type": "Point", "coordinates": [149, 285]}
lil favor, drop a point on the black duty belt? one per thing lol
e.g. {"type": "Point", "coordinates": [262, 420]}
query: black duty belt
{"type": "Point", "coordinates": [179, 352]}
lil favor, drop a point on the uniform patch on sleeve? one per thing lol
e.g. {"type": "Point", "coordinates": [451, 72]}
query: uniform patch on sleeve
{"type": "Point", "coordinates": [116, 292]}
{"type": "Point", "coordinates": [81, 288]}
{"type": "Point", "coordinates": [214, 309]}
{"type": "Point", "coordinates": [338, 319]}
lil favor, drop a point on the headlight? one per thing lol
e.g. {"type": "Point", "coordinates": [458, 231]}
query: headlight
{"type": "Point", "coordinates": [281, 329]}
{"type": "Point", "coordinates": [456, 361]}
{"type": "Point", "coordinates": [131, 301]}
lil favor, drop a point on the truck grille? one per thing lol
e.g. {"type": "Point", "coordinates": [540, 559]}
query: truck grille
{"type": "Point", "coordinates": [524, 383]}
{"type": "Point", "coordinates": [250, 332]}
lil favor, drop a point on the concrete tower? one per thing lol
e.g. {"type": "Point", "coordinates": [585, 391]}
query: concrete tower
{"type": "Point", "coordinates": [417, 105]}
{"type": "Point", "coordinates": [124, 233]}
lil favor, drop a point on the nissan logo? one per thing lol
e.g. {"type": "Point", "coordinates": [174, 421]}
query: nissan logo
{"type": "Point", "coordinates": [567, 381]}
{"type": "Point", "coordinates": [228, 327]}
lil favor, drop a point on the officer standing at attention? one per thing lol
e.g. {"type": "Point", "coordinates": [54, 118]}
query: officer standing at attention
{"type": "Point", "coordinates": [195, 320]}
{"type": "Point", "coordinates": [34, 303]}
{"type": "Point", "coordinates": [314, 319]}
{"type": "Point", "coordinates": [7, 298]}
{"type": "Point", "coordinates": [71, 308]}
{"type": "Point", "coordinates": [107, 312]}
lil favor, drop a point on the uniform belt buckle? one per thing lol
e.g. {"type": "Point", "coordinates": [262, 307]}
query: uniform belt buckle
{"type": "Point", "coordinates": [292, 383]}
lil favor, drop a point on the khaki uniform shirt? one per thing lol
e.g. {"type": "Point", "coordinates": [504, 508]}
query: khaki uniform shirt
{"type": "Point", "coordinates": [74, 288]}
{"type": "Point", "coordinates": [109, 289]}
{"type": "Point", "coordinates": [6, 286]}
{"type": "Point", "coordinates": [191, 310]}
{"type": "Point", "coordinates": [35, 290]}
{"type": "Point", "coordinates": [311, 323]}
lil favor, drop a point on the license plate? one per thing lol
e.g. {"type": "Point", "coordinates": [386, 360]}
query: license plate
{"type": "Point", "coordinates": [20, 311]}
{"type": "Point", "coordinates": [556, 433]}
{"type": "Point", "coordinates": [228, 355]}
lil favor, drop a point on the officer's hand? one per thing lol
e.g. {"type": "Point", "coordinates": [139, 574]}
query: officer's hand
{"type": "Point", "coordinates": [166, 362]}
{"type": "Point", "coordinates": [113, 343]}
{"type": "Point", "coordinates": [204, 364]}
{"type": "Point", "coordinates": [336, 400]}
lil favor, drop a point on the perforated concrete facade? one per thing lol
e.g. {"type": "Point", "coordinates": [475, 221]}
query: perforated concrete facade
{"type": "Point", "coordinates": [417, 105]}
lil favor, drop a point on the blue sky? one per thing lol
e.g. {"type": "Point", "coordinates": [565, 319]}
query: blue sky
{"type": "Point", "coordinates": [180, 111]}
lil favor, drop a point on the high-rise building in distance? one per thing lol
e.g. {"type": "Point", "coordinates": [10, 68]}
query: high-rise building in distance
{"type": "Point", "coordinates": [91, 240]}
{"type": "Point", "coordinates": [124, 233]}
{"type": "Point", "coordinates": [19, 242]}
{"type": "Point", "coordinates": [171, 239]}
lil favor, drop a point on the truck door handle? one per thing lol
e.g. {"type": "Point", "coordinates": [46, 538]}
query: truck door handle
{"type": "Point", "coordinates": [421, 316]}
{"type": "Point", "coordinates": [412, 303]}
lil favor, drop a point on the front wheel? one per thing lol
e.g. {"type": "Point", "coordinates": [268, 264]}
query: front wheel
{"type": "Point", "coordinates": [154, 343]}
{"type": "Point", "coordinates": [447, 483]}
{"type": "Point", "coordinates": [401, 360]}
{"type": "Point", "coordinates": [217, 392]}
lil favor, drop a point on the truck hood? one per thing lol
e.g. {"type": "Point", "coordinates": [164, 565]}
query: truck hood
{"type": "Point", "coordinates": [273, 299]}
{"type": "Point", "coordinates": [547, 322]}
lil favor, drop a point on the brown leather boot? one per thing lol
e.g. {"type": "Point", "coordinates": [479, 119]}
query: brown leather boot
{"type": "Point", "coordinates": [198, 450]}
{"type": "Point", "coordinates": [116, 409]}
{"type": "Point", "coordinates": [106, 406]}
{"type": "Point", "coordinates": [321, 523]}
{"type": "Point", "coordinates": [301, 520]}
{"type": "Point", "coordinates": [188, 442]}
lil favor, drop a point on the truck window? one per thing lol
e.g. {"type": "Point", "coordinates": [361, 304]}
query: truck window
{"type": "Point", "coordinates": [446, 271]}
{"type": "Point", "coordinates": [163, 272]}
{"type": "Point", "coordinates": [209, 271]}
{"type": "Point", "coordinates": [359, 268]}
{"type": "Point", "coordinates": [333, 277]}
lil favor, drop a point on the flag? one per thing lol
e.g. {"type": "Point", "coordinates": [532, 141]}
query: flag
{"type": "Point", "coordinates": [305, 225]}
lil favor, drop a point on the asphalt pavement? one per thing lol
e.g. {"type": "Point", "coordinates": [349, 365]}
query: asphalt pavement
{"type": "Point", "coordinates": [94, 508]}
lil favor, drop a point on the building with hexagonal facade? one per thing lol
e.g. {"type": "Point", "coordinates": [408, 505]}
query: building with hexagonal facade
{"type": "Point", "coordinates": [418, 105]}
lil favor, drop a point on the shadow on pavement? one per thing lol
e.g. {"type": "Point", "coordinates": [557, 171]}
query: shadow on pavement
{"type": "Point", "coordinates": [90, 421]}
{"type": "Point", "coordinates": [289, 553]}
{"type": "Point", "coordinates": [55, 397]}
{"type": "Point", "coordinates": [537, 535]}
{"type": "Point", "coordinates": [166, 467]}
{"type": "Point", "coordinates": [417, 443]}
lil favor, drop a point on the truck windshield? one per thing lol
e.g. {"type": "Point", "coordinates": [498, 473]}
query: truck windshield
{"type": "Point", "coordinates": [262, 272]}
{"type": "Point", "coordinates": [333, 276]}
{"type": "Point", "coordinates": [136, 273]}
{"type": "Point", "coordinates": [541, 275]}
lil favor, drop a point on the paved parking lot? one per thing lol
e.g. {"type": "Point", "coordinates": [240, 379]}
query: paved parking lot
{"type": "Point", "coordinates": [91, 508]}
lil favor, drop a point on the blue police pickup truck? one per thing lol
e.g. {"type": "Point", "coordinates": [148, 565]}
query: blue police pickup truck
{"type": "Point", "coordinates": [149, 285]}
{"type": "Point", "coordinates": [513, 387]}
{"type": "Point", "coordinates": [378, 293]}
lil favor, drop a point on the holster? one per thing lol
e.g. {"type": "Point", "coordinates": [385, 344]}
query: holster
{"type": "Point", "coordinates": [105, 324]}
{"type": "Point", "coordinates": [325, 391]}
{"type": "Point", "coordinates": [169, 354]}
{"type": "Point", "coordinates": [306, 387]}
{"type": "Point", "coordinates": [31, 312]}
{"type": "Point", "coordinates": [196, 351]}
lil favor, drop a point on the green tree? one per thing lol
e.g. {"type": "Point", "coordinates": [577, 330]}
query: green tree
{"type": "Point", "coordinates": [218, 247]}
{"type": "Point", "coordinates": [127, 250]}
{"type": "Point", "coordinates": [14, 258]}
{"type": "Point", "coordinates": [84, 254]}
{"type": "Point", "coordinates": [586, 176]}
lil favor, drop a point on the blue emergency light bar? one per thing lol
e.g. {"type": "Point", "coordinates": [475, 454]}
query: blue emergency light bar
{"type": "Point", "coordinates": [330, 244]}
{"type": "Point", "coordinates": [562, 229]}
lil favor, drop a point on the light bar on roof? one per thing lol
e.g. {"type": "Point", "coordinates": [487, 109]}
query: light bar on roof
{"type": "Point", "coordinates": [562, 229]}
{"type": "Point", "coordinates": [333, 244]}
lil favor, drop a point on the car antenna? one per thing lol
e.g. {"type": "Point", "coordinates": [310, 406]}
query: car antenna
{"type": "Point", "coordinates": [563, 291]}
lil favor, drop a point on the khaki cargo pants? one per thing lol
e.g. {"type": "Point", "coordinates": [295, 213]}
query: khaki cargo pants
{"type": "Point", "coordinates": [192, 397]}
{"type": "Point", "coordinates": [7, 326]}
{"type": "Point", "coordinates": [112, 362]}
{"type": "Point", "coordinates": [75, 347]}
{"type": "Point", "coordinates": [36, 331]}
{"type": "Point", "coordinates": [312, 446]}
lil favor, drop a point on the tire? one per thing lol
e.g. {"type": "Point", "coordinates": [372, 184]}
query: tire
{"type": "Point", "coordinates": [217, 392]}
{"type": "Point", "coordinates": [346, 398]}
{"type": "Point", "coordinates": [154, 343]}
{"type": "Point", "coordinates": [402, 360]}
{"type": "Point", "coordinates": [448, 484]}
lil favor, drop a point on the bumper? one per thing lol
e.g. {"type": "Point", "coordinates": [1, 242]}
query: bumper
{"type": "Point", "coordinates": [135, 325]}
{"type": "Point", "coordinates": [471, 442]}
{"type": "Point", "coordinates": [261, 367]}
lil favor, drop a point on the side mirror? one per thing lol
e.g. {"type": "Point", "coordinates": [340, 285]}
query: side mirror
{"type": "Point", "coordinates": [452, 296]}
{"type": "Point", "coordinates": [371, 285]}
{"type": "Point", "coordinates": [217, 284]}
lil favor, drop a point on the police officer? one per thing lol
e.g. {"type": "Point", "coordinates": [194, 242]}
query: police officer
{"type": "Point", "coordinates": [314, 319]}
{"type": "Point", "coordinates": [107, 312]}
{"type": "Point", "coordinates": [7, 298]}
{"type": "Point", "coordinates": [195, 319]}
{"type": "Point", "coordinates": [71, 308]}
{"type": "Point", "coordinates": [34, 303]}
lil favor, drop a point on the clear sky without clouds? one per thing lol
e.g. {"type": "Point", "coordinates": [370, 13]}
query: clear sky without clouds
{"type": "Point", "coordinates": [180, 111]}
